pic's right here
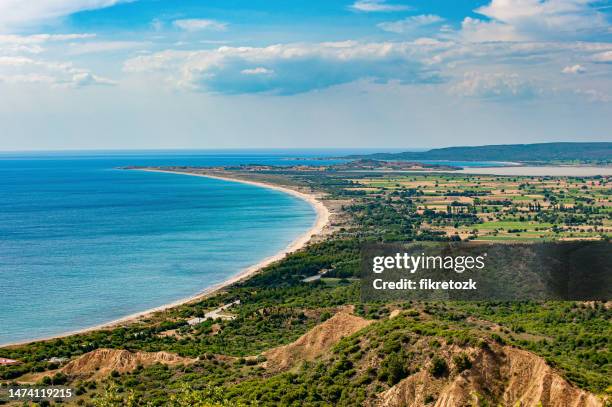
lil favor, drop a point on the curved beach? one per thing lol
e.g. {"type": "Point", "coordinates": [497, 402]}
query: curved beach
{"type": "Point", "coordinates": [322, 219]}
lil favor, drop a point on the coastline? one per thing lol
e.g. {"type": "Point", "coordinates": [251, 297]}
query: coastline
{"type": "Point", "coordinates": [321, 221]}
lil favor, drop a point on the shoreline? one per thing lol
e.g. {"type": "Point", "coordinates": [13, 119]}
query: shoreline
{"type": "Point", "coordinates": [321, 221]}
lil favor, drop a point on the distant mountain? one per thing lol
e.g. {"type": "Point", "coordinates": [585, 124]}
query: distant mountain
{"type": "Point", "coordinates": [542, 152]}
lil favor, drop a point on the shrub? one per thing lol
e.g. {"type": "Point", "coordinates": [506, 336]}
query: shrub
{"type": "Point", "coordinates": [462, 362]}
{"type": "Point", "coordinates": [438, 367]}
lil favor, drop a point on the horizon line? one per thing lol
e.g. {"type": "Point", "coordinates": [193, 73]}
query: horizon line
{"type": "Point", "coordinates": [187, 149]}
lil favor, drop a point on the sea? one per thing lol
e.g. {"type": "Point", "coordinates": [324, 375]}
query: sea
{"type": "Point", "coordinates": [84, 242]}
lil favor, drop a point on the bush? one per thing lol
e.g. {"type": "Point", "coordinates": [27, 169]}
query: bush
{"type": "Point", "coordinates": [462, 362]}
{"type": "Point", "coordinates": [497, 339]}
{"type": "Point", "coordinates": [396, 369]}
{"type": "Point", "coordinates": [438, 367]}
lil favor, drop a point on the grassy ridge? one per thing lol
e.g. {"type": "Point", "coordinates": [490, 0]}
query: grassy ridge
{"type": "Point", "coordinates": [551, 152]}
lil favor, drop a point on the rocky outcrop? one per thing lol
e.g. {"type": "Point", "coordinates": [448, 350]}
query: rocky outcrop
{"type": "Point", "coordinates": [500, 375]}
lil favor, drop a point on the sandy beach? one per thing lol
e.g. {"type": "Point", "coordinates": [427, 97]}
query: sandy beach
{"type": "Point", "coordinates": [322, 219]}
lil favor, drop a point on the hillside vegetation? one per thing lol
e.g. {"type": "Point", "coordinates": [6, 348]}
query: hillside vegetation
{"type": "Point", "coordinates": [543, 152]}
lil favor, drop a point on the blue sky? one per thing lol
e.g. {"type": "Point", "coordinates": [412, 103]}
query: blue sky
{"type": "Point", "coordinates": [81, 74]}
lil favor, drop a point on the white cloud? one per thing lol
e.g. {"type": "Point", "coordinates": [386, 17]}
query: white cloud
{"type": "Point", "coordinates": [377, 6]}
{"type": "Point", "coordinates": [41, 38]}
{"type": "Point", "coordinates": [257, 71]}
{"type": "Point", "coordinates": [574, 69]}
{"type": "Point", "coordinates": [297, 68]}
{"type": "Point", "coordinates": [15, 61]}
{"type": "Point", "coordinates": [520, 20]}
{"type": "Point", "coordinates": [33, 44]}
{"type": "Point", "coordinates": [410, 23]}
{"type": "Point", "coordinates": [475, 30]}
{"type": "Point", "coordinates": [85, 78]}
{"type": "Point", "coordinates": [527, 55]}
{"type": "Point", "coordinates": [199, 24]}
{"type": "Point", "coordinates": [79, 48]}
{"type": "Point", "coordinates": [495, 70]}
{"type": "Point", "coordinates": [27, 70]}
{"type": "Point", "coordinates": [16, 13]}
{"type": "Point", "coordinates": [496, 85]}
{"type": "Point", "coordinates": [554, 13]}
{"type": "Point", "coordinates": [20, 49]}
{"type": "Point", "coordinates": [605, 57]}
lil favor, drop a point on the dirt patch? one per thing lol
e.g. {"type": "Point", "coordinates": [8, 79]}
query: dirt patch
{"type": "Point", "coordinates": [315, 342]}
{"type": "Point", "coordinates": [395, 313]}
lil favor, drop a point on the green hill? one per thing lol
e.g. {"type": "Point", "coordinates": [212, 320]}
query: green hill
{"type": "Point", "coordinates": [542, 152]}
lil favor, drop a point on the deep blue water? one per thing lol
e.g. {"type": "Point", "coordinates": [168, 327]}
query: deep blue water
{"type": "Point", "coordinates": [83, 243]}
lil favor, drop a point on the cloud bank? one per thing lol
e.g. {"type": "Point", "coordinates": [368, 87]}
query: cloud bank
{"type": "Point", "coordinates": [16, 13]}
{"type": "Point", "coordinates": [287, 69]}
{"type": "Point", "coordinates": [15, 70]}
{"type": "Point", "coordinates": [494, 86]}
{"type": "Point", "coordinates": [535, 20]}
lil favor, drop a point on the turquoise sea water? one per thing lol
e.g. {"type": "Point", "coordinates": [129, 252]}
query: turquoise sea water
{"type": "Point", "coordinates": [83, 243]}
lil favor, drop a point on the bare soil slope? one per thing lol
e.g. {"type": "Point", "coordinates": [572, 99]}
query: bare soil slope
{"type": "Point", "coordinates": [505, 375]}
{"type": "Point", "coordinates": [100, 362]}
{"type": "Point", "coordinates": [315, 342]}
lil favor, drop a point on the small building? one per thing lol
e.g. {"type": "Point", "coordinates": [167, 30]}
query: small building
{"type": "Point", "coordinates": [56, 359]}
{"type": "Point", "coordinates": [196, 321]}
{"type": "Point", "coordinates": [215, 314]}
{"type": "Point", "coordinates": [316, 277]}
{"type": "Point", "coordinates": [5, 361]}
{"type": "Point", "coordinates": [312, 278]}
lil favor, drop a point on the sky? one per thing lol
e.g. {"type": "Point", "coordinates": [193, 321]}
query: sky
{"type": "Point", "coordinates": [163, 74]}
